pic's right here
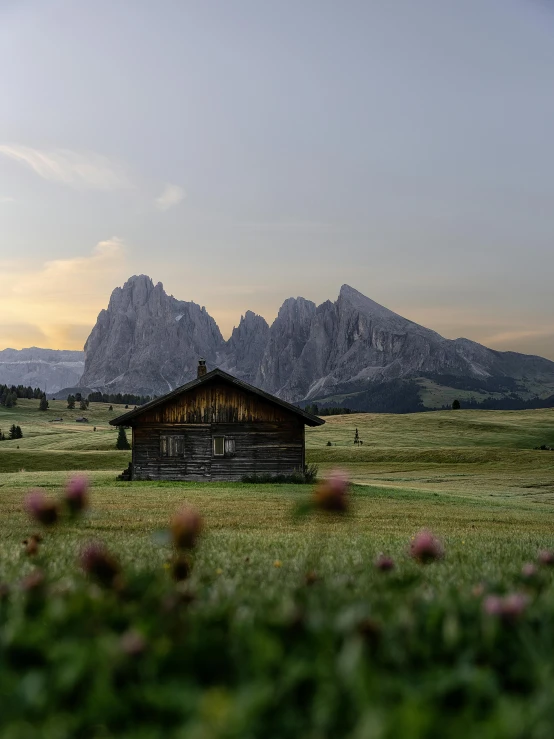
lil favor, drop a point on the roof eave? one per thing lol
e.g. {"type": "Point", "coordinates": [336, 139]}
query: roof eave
{"type": "Point", "coordinates": [308, 418]}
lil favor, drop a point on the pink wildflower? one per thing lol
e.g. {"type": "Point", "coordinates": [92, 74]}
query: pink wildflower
{"type": "Point", "coordinates": [76, 494]}
{"type": "Point", "coordinates": [186, 526]}
{"type": "Point", "coordinates": [425, 547]}
{"type": "Point", "coordinates": [546, 557]}
{"type": "Point", "coordinates": [97, 562]}
{"type": "Point", "coordinates": [529, 570]}
{"type": "Point", "coordinates": [508, 607]}
{"type": "Point", "coordinates": [384, 563]}
{"type": "Point", "coordinates": [41, 508]}
{"type": "Point", "coordinates": [33, 582]}
{"type": "Point", "coordinates": [332, 494]}
{"type": "Point", "coordinates": [132, 643]}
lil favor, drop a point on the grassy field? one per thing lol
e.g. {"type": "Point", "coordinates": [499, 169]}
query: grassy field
{"type": "Point", "coordinates": [441, 667]}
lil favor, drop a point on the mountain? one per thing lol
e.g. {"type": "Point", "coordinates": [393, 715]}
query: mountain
{"type": "Point", "coordinates": [147, 341]}
{"type": "Point", "coordinates": [48, 369]}
{"type": "Point", "coordinates": [351, 352]}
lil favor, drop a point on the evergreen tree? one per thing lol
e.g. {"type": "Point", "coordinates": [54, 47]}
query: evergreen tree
{"type": "Point", "coordinates": [71, 402]}
{"type": "Point", "coordinates": [122, 441]}
{"type": "Point", "coordinates": [78, 397]}
{"type": "Point", "coordinates": [456, 405]}
{"type": "Point", "coordinates": [356, 437]}
{"type": "Point", "coordinates": [13, 432]}
{"type": "Point", "coordinates": [2, 437]}
{"type": "Point", "coordinates": [111, 408]}
{"type": "Point", "coordinates": [9, 402]}
{"type": "Point", "coordinates": [19, 432]}
{"type": "Point", "coordinates": [83, 405]}
{"type": "Point", "coordinates": [43, 405]}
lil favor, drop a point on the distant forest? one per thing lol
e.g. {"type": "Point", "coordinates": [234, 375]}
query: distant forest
{"type": "Point", "coordinates": [507, 404]}
{"type": "Point", "coordinates": [404, 396]}
{"type": "Point", "coordinates": [9, 394]}
{"type": "Point", "coordinates": [121, 398]}
{"type": "Point", "coordinates": [396, 396]}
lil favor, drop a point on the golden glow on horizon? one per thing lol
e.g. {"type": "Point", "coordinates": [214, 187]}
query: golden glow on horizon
{"type": "Point", "coordinates": [56, 306]}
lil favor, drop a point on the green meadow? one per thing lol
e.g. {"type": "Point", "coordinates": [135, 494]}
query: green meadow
{"type": "Point", "coordinates": [284, 626]}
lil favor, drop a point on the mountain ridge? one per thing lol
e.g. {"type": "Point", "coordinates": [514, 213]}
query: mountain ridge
{"type": "Point", "coordinates": [149, 342]}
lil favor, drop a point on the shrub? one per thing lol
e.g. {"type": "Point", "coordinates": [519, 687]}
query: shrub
{"type": "Point", "coordinates": [307, 477]}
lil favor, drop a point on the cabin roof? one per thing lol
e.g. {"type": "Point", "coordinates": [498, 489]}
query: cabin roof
{"type": "Point", "coordinates": [308, 418]}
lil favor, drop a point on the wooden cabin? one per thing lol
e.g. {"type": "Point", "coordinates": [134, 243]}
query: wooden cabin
{"type": "Point", "coordinates": [216, 428]}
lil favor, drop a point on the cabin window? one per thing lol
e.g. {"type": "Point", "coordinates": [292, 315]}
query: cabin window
{"type": "Point", "coordinates": [223, 446]}
{"type": "Point", "coordinates": [172, 446]}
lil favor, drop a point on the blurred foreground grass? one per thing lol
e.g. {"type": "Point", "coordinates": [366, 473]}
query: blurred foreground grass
{"type": "Point", "coordinates": [248, 646]}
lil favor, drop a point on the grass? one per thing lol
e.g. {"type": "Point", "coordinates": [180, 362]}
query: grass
{"type": "Point", "coordinates": [473, 477]}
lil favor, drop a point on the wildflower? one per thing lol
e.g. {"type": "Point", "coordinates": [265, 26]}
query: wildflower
{"type": "Point", "coordinates": [33, 582]}
{"type": "Point", "coordinates": [425, 547]}
{"type": "Point", "coordinates": [384, 563]}
{"type": "Point", "coordinates": [132, 643]}
{"type": "Point", "coordinates": [478, 590]}
{"type": "Point", "coordinates": [219, 571]}
{"type": "Point", "coordinates": [180, 569]}
{"type": "Point", "coordinates": [546, 557]}
{"type": "Point", "coordinates": [76, 494]}
{"type": "Point", "coordinates": [508, 607]}
{"type": "Point", "coordinates": [277, 563]}
{"type": "Point", "coordinates": [529, 570]}
{"type": "Point", "coordinates": [332, 494]}
{"type": "Point", "coordinates": [31, 544]}
{"type": "Point", "coordinates": [185, 528]}
{"type": "Point", "coordinates": [97, 562]}
{"type": "Point", "coordinates": [40, 508]}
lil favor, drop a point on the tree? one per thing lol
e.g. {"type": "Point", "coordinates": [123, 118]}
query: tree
{"type": "Point", "coordinates": [456, 405]}
{"type": "Point", "coordinates": [19, 432]}
{"type": "Point", "coordinates": [78, 397]}
{"type": "Point", "coordinates": [13, 432]}
{"type": "Point", "coordinates": [2, 436]}
{"type": "Point", "coordinates": [122, 441]}
{"type": "Point", "coordinates": [110, 408]}
{"type": "Point", "coordinates": [356, 437]}
{"type": "Point", "coordinates": [71, 402]}
{"type": "Point", "coordinates": [11, 400]}
{"type": "Point", "coordinates": [43, 405]}
{"type": "Point", "coordinates": [83, 405]}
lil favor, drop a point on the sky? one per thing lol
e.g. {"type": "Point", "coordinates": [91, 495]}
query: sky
{"type": "Point", "coordinates": [243, 152]}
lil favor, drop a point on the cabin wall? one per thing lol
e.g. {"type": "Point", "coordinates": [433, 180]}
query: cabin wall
{"type": "Point", "coordinates": [260, 448]}
{"type": "Point", "coordinates": [216, 402]}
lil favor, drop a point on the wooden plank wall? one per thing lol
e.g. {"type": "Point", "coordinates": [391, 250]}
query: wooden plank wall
{"type": "Point", "coordinates": [260, 448]}
{"type": "Point", "coordinates": [216, 402]}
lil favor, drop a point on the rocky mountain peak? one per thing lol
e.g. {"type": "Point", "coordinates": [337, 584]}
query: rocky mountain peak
{"type": "Point", "coordinates": [149, 342]}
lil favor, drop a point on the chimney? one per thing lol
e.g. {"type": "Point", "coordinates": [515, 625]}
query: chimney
{"type": "Point", "coordinates": [201, 368]}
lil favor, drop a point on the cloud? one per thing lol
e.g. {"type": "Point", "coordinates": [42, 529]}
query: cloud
{"type": "Point", "coordinates": [170, 196]}
{"type": "Point", "coordinates": [72, 168]}
{"type": "Point", "coordinates": [60, 300]}
{"type": "Point", "coordinates": [6, 199]}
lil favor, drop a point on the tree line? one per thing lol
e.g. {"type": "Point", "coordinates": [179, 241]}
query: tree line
{"type": "Point", "coordinates": [15, 432]}
{"type": "Point", "coordinates": [120, 398]}
{"type": "Point", "coordinates": [315, 410]}
{"type": "Point", "coordinates": [9, 394]}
